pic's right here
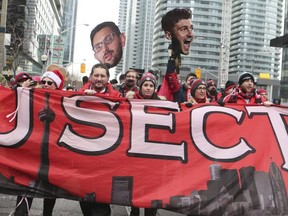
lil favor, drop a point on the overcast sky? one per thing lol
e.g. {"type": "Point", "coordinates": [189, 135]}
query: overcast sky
{"type": "Point", "coordinates": [91, 12]}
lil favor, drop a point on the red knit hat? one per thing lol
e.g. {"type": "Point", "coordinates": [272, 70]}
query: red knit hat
{"type": "Point", "coordinates": [194, 84]}
{"type": "Point", "coordinates": [148, 77]}
{"type": "Point", "coordinates": [261, 91]}
{"type": "Point", "coordinates": [22, 77]}
{"type": "Point", "coordinates": [56, 76]}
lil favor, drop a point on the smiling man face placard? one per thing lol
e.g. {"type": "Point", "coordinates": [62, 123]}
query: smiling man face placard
{"type": "Point", "coordinates": [107, 43]}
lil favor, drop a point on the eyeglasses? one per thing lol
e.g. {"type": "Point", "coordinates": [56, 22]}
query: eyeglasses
{"type": "Point", "coordinates": [107, 40]}
{"type": "Point", "coordinates": [201, 88]}
{"type": "Point", "coordinates": [43, 82]}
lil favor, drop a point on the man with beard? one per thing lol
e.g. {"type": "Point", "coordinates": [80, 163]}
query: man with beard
{"type": "Point", "coordinates": [130, 81]}
{"type": "Point", "coordinates": [246, 93]}
{"type": "Point", "coordinates": [107, 43]}
{"type": "Point", "coordinates": [178, 28]}
{"type": "Point", "coordinates": [98, 83]}
{"type": "Point", "coordinates": [212, 93]}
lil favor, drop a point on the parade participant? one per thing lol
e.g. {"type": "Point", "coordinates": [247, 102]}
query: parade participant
{"type": "Point", "coordinates": [212, 92]}
{"type": "Point", "coordinates": [147, 87]}
{"type": "Point", "coordinates": [107, 43]}
{"type": "Point", "coordinates": [178, 28]}
{"type": "Point", "coordinates": [23, 80]}
{"type": "Point", "coordinates": [229, 87]}
{"type": "Point", "coordinates": [50, 80]}
{"type": "Point", "coordinates": [130, 81]}
{"type": "Point", "coordinates": [198, 92]}
{"type": "Point", "coordinates": [263, 93]}
{"type": "Point", "coordinates": [98, 82]}
{"type": "Point", "coordinates": [61, 69]}
{"type": "Point", "coordinates": [98, 85]}
{"type": "Point", "coordinates": [246, 93]}
{"type": "Point", "coordinates": [121, 78]}
{"type": "Point", "coordinates": [3, 81]}
{"type": "Point", "coordinates": [185, 88]}
{"type": "Point", "coordinates": [85, 79]}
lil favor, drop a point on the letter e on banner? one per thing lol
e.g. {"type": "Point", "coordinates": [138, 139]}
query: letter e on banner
{"type": "Point", "coordinates": [141, 121]}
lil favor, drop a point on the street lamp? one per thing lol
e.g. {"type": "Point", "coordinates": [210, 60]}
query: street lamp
{"type": "Point", "coordinates": [59, 40]}
{"type": "Point", "coordinates": [44, 59]}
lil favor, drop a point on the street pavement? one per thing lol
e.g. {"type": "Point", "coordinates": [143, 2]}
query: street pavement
{"type": "Point", "coordinates": [65, 207]}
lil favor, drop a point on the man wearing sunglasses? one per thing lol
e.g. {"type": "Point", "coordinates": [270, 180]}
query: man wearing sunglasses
{"type": "Point", "coordinates": [107, 43]}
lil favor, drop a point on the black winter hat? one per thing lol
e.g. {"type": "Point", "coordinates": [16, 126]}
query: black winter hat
{"type": "Point", "coordinates": [245, 76]}
{"type": "Point", "coordinates": [229, 84]}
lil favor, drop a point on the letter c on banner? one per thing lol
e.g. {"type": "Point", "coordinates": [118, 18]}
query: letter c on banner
{"type": "Point", "coordinates": [198, 120]}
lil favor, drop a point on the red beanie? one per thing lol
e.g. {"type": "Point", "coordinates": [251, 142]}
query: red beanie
{"type": "Point", "coordinates": [194, 84]}
{"type": "Point", "coordinates": [148, 77]}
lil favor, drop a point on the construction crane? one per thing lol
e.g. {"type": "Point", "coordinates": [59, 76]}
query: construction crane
{"type": "Point", "coordinates": [225, 43]}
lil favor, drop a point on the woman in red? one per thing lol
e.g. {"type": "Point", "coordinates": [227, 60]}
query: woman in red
{"type": "Point", "coordinates": [147, 87]}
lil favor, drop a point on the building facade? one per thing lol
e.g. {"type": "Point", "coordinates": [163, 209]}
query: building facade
{"type": "Point", "coordinates": [68, 24]}
{"type": "Point", "coordinates": [37, 22]}
{"type": "Point", "coordinates": [138, 24]}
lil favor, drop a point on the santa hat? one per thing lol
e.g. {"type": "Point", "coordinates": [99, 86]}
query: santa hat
{"type": "Point", "coordinates": [56, 76]}
{"type": "Point", "coordinates": [194, 85]}
{"type": "Point", "coordinates": [245, 76]}
{"type": "Point", "coordinates": [147, 77]}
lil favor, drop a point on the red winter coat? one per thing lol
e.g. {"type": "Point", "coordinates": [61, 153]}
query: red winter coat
{"type": "Point", "coordinates": [109, 91]}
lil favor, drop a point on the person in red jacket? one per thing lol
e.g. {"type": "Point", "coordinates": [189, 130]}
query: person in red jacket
{"type": "Point", "coordinates": [246, 92]}
{"type": "Point", "coordinates": [147, 87]}
{"type": "Point", "coordinates": [98, 83]}
{"type": "Point", "coordinates": [178, 28]}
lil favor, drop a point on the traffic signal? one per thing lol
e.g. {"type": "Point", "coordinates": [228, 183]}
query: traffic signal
{"type": "Point", "coordinates": [83, 68]}
{"type": "Point", "coordinates": [198, 73]}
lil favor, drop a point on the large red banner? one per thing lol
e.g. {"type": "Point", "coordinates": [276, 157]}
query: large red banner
{"type": "Point", "coordinates": [201, 160]}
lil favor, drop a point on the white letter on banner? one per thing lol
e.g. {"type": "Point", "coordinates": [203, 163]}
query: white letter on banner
{"type": "Point", "coordinates": [108, 141]}
{"type": "Point", "coordinates": [198, 127]}
{"type": "Point", "coordinates": [20, 134]}
{"type": "Point", "coordinates": [276, 117]}
{"type": "Point", "coordinates": [142, 121]}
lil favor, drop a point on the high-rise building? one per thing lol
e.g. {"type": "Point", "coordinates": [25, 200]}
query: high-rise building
{"type": "Point", "coordinates": [68, 24]}
{"type": "Point", "coordinates": [122, 26]}
{"type": "Point", "coordinates": [138, 24]}
{"type": "Point", "coordinates": [36, 22]}
{"type": "Point", "coordinates": [283, 42]}
{"type": "Point", "coordinates": [254, 24]}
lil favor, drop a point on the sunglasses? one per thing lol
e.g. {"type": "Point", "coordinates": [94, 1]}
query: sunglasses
{"type": "Point", "coordinates": [43, 82]}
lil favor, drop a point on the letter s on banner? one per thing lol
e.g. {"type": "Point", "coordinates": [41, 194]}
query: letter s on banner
{"type": "Point", "coordinates": [107, 120]}
{"type": "Point", "coordinates": [198, 118]}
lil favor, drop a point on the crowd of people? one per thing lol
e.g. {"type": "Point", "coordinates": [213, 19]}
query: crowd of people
{"type": "Point", "coordinates": [107, 43]}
